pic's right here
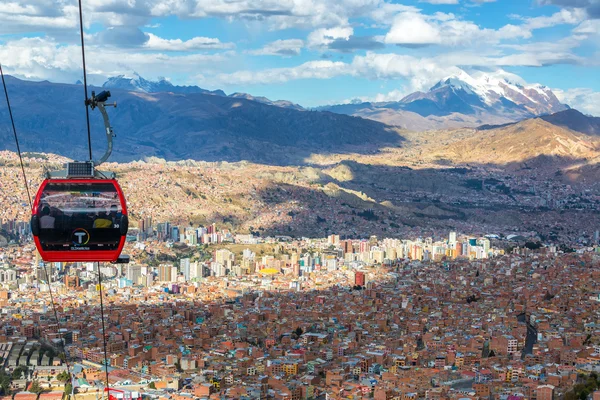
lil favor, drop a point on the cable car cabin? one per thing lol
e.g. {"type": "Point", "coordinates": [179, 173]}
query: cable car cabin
{"type": "Point", "coordinates": [79, 220]}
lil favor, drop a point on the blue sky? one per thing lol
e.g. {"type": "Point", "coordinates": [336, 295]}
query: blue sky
{"type": "Point", "coordinates": [312, 52]}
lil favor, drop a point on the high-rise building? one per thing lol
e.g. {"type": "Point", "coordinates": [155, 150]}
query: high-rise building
{"type": "Point", "coordinates": [196, 270]}
{"type": "Point", "coordinates": [164, 273]}
{"type": "Point", "coordinates": [175, 234]}
{"type": "Point", "coordinates": [223, 256]}
{"type": "Point", "coordinates": [359, 278]}
{"type": "Point", "coordinates": [452, 238]}
{"type": "Point", "coordinates": [364, 246]}
{"type": "Point", "coordinates": [133, 272]}
{"type": "Point", "coordinates": [333, 239]}
{"type": "Point", "coordinates": [185, 268]}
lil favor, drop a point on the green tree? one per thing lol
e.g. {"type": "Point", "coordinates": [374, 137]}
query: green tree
{"type": "Point", "coordinates": [299, 331]}
{"type": "Point", "coordinates": [63, 376]}
{"type": "Point", "coordinates": [35, 387]}
{"type": "Point", "coordinates": [4, 383]}
{"type": "Point", "coordinates": [152, 385]}
{"type": "Point", "coordinates": [68, 390]}
{"type": "Point", "coordinates": [16, 374]}
{"type": "Point", "coordinates": [178, 367]}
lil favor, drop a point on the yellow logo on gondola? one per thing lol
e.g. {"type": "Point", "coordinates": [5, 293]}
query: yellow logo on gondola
{"type": "Point", "coordinates": [80, 237]}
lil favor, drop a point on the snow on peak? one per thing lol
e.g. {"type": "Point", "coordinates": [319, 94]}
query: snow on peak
{"type": "Point", "coordinates": [490, 86]}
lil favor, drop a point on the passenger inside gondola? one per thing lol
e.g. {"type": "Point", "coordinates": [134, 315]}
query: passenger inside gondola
{"type": "Point", "coordinates": [47, 220]}
{"type": "Point", "coordinates": [103, 221]}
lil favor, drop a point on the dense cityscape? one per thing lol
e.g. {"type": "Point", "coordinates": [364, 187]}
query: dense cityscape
{"type": "Point", "coordinates": [200, 312]}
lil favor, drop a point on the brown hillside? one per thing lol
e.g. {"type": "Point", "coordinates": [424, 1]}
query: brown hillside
{"type": "Point", "coordinates": [517, 143]}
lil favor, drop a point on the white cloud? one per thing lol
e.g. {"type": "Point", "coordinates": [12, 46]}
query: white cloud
{"type": "Point", "coordinates": [20, 16]}
{"type": "Point", "coordinates": [583, 99]}
{"type": "Point", "coordinates": [42, 58]}
{"type": "Point", "coordinates": [412, 29]}
{"type": "Point", "coordinates": [419, 73]}
{"type": "Point", "coordinates": [284, 48]}
{"type": "Point", "coordinates": [323, 37]}
{"type": "Point", "coordinates": [416, 29]}
{"type": "Point", "coordinates": [385, 12]}
{"type": "Point", "coordinates": [275, 14]}
{"type": "Point", "coordinates": [197, 43]}
{"type": "Point", "coordinates": [322, 69]}
{"type": "Point", "coordinates": [571, 17]}
{"type": "Point", "coordinates": [589, 27]}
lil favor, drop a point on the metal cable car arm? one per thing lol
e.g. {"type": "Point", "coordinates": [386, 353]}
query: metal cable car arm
{"type": "Point", "coordinates": [99, 101]}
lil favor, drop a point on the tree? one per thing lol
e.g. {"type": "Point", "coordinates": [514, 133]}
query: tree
{"type": "Point", "coordinates": [299, 331]}
{"type": "Point", "coordinates": [178, 367]}
{"type": "Point", "coordinates": [152, 385]}
{"type": "Point", "coordinates": [35, 387]}
{"type": "Point", "coordinates": [4, 383]}
{"type": "Point", "coordinates": [63, 376]}
{"type": "Point", "coordinates": [68, 389]}
{"type": "Point", "coordinates": [20, 370]}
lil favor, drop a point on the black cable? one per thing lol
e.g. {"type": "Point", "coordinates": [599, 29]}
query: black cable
{"type": "Point", "coordinates": [58, 325]}
{"type": "Point", "coordinates": [12, 120]}
{"type": "Point", "coordinates": [103, 327]}
{"type": "Point", "coordinates": [31, 207]}
{"type": "Point", "coordinates": [87, 111]}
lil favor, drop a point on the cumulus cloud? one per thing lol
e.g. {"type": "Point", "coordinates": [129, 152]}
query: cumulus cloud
{"type": "Point", "coordinates": [571, 16]}
{"type": "Point", "coordinates": [412, 28]}
{"type": "Point", "coordinates": [323, 37]}
{"type": "Point", "coordinates": [197, 43]}
{"type": "Point", "coordinates": [583, 99]}
{"type": "Point", "coordinates": [322, 69]}
{"type": "Point", "coordinates": [420, 73]}
{"type": "Point", "coordinates": [284, 48]}
{"type": "Point", "coordinates": [132, 37]}
{"type": "Point", "coordinates": [43, 58]}
{"type": "Point", "coordinates": [21, 16]}
{"type": "Point", "coordinates": [276, 14]}
{"type": "Point", "coordinates": [592, 7]}
{"type": "Point", "coordinates": [357, 43]}
{"type": "Point", "coordinates": [416, 29]}
{"type": "Point", "coordinates": [589, 27]}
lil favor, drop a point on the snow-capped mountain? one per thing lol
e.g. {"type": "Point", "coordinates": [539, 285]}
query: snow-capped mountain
{"type": "Point", "coordinates": [138, 84]}
{"type": "Point", "coordinates": [461, 100]}
{"type": "Point", "coordinates": [500, 88]}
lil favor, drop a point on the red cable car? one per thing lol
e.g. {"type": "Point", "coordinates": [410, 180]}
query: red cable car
{"type": "Point", "coordinates": [80, 214]}
{"type": "Point", "coordinates": [79, 220]}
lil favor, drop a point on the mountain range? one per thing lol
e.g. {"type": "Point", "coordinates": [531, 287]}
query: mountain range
{"type": "Point", "coordinates": [461, 100]}
{"type": "Point", "coordinates": [188, 122]}
{"type": "Point", "coordinates": [137, 83]}
{"type": "Point", "coordinates": [173, 125]}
